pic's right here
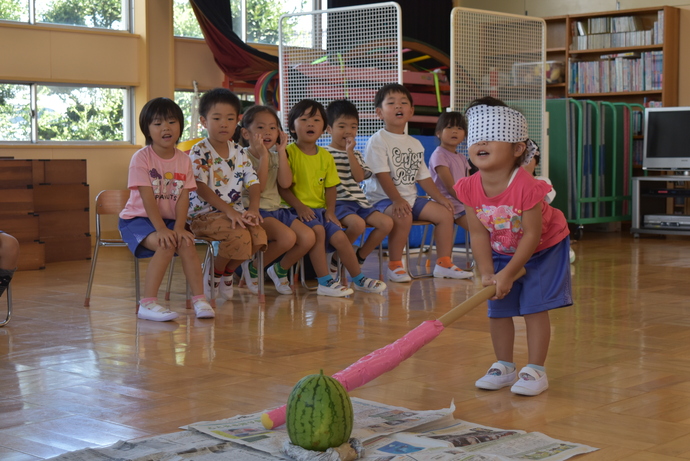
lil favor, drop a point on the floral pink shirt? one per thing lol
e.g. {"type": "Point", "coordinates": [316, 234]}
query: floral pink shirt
{"type": "Point", "coordinates": [502, 215]}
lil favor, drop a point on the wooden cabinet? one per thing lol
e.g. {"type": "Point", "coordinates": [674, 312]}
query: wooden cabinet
{"type": "Point", "coordinates": [620, 56]}
{"type": "Point", "coordinates": [45, 205]}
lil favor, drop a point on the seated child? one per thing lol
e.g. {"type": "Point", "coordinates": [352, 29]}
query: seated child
{"type": "Point", "coordinates": [287, 235]}
{"type": "Point", "coordinates": [313, 196]}
{"type": "Point", "coordinates": [222, 171]}
{"type": "Point", "coordinates": [397, 161]}
{"type": "Point", "coordinates": [352, 208]}
{"type": "Point", "coordinates": [153, 221]}
{"type": "Point", "coordinates": [446, 164]}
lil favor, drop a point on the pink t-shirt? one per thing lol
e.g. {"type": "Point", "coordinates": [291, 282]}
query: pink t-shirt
{"type": "Point", "coordinates": [502, 215]}
{"type": "Point", "coordinates": [167, 177]}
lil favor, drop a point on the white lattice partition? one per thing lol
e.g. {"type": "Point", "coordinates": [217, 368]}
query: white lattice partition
{"type": "Point", "coordinates": [340, 53]}
{"type": "Point", "coordinates": [501, 55]}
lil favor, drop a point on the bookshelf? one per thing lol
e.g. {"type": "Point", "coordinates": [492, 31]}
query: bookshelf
{"type": "Point", "coordinates": [633, 58]}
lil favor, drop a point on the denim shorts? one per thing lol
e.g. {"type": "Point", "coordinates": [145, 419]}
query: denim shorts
{"type": "Point", "coordinates": [328, 226]}
{"type": "Point", "coordinates": [284, 215]}
{"type": "Point", "coordinates": [347, 207]}
{"type": "Point", "coordinates": [419, 204]}
{"type": "Point", "coordinates": [546, 285]}
{"type": "Point", "coordinates": [135, 230]}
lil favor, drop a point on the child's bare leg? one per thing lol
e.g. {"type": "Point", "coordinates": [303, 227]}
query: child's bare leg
{"type": "Point", "coordinates": [317, 254]}
{"type": "Point", "coordinates": [538, 337]}
{"type": "Point", "coordinates": [502, 337]}
{"type": "Point", "coordinates": [343, 246]}
{"type": "Point", "coordinates": [382, 227]}
{"type": "Point", "coordinates": [157, 265]}
{"type": "Point", "coordinates": [462, 222]}
{"type": "Point", "coordinates": [443, 227]}
{"type": "Point", "coordinates": [304, 242]}
{"type": "Point", "coordinates": [281, 239]}
{"type": "Point", "coordinates": [354, 225]}
{"type": "Point", "coordinates": [397, 238]}
{"type": "Point", "coordinates": [192, 268]}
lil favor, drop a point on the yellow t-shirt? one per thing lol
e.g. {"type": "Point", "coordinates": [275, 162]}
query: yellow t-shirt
{"type": "Point", "coordinates": [311, 175]}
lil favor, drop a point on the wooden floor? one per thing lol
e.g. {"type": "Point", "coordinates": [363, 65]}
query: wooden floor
{"type": "Point", "coordinates": [619, 364]}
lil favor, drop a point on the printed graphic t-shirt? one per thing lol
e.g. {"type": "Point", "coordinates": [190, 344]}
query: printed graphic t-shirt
{"type": "Point", "coordinates": [402, 156]}
{"type": "Point", "coordinates": [502, 215]}
{"type": "Point", "coordinates": [167, 177]}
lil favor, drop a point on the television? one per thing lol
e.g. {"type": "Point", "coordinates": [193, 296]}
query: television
{"type": "Point", "coordinates": [666, 139]}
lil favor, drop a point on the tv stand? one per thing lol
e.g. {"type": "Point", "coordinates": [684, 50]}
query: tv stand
{"type": "Point", "coordinates": [661, 205]}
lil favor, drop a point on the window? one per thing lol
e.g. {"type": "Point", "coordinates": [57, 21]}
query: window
{"type": "Point", "coordinates": [255, 21]}
{"type": "Point", "coordinates": [104, 14]}
{"type": "Point", "coordinates": [40, 113]}
{"type": "Point", "coordinates": [184, 99]}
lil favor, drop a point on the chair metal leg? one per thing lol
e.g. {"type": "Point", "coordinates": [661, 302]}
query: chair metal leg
{"type": "Point", "coordinates": [419, 256]}
{"type": "Point", "coordinates": [171, 269]}
{"type": "Point", "coordinates": [302, 278]}
{"type": "Point", "coordinates": [87, 298]}
{"type": "Point", "coordinates": [8, 293]}
{"type": "Point", "coordinates": [260, 270]}
{"type": "Point", "coordinates": [136, 282]}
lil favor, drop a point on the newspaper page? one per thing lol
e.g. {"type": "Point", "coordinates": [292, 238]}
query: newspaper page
{"type": "Point", "coordinates": [465, 441]}
{"type": "Point", "coordinates": [371, 419]}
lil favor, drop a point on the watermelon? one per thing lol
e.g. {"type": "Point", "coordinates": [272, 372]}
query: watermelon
{"type": "Point", "coordinates": [319, 413]}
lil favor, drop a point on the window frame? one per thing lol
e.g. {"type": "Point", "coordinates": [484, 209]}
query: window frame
{"type": "Point", "coordinates": [128, 118]}
{"type": "Point", "coordinates": [127, 19]}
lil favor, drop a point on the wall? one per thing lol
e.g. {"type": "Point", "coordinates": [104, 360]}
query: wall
{"type": "Point", "coordinates": [143, 60]}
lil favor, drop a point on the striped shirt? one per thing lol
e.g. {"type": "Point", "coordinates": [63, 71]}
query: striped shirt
{"type": "Point", "coordinates": [348, 189]}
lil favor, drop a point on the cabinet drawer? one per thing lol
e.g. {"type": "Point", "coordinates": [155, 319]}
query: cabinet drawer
{"type": "Point", "coordinates": [32, 256]}
{"type": "Point", "coordinates": [64, 171]}
{"type": "Point", "coordinates": [63, 223]}
{"type": "Point", "coordinates": [70, 248]}
{"type": "Point", "coordinates": [23, 227]}
{"type": "Point", "coordinates": [61, 197]}
{"type": "Point", "coordinates": [16, 201]}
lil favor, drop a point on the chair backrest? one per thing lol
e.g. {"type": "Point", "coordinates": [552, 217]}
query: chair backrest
{"type": "Point", "coordinates": [111, 201]}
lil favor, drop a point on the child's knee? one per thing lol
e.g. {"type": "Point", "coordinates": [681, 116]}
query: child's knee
{"type": "Point", "coordinates": [382, 222]}
{"type": "Point", "coordinates": [355, 224]}
{"type": "Point", "coordinates": [287, 239]}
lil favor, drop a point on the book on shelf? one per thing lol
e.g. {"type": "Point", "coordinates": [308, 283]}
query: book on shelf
{"type": "Point", "coordinates": [619, 74]}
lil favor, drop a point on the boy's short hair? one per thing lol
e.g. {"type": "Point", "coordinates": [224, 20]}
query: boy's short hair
{"type": "Point", "coordinates": [341, 108]}
{"type": "Point", "coordinates": [218, 96]}
{"type": "Point", "coordinates": [309, 107]}
{"type": "Point", "coordinates": [159, 108]}
{"type": "Point", "coordinates": [450, 119]}
{"type": "Point", "coordinates": [385, 90]}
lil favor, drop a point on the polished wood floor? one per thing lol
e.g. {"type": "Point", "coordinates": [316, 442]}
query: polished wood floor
{"type": "Point", "coordinates": [619, 364]}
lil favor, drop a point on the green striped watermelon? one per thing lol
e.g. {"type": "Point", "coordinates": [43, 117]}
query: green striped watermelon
{"type": "Point", "coordinates": [319, 413]}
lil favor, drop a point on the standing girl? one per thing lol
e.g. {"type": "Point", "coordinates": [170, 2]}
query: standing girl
{"type": "Point", "coordinates": [152, 222]}
{"type": "Point", "coordinates": [287, 235]}
{"type": "Point", "coordinates": [513, 227]}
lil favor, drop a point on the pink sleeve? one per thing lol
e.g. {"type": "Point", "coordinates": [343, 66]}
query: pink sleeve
{"type": "Point", "coordinates": [535, 193]}
{"type": "Point", "coordinates": [462, 190]}
{"type": "Point", "coordinates": [138, 171]}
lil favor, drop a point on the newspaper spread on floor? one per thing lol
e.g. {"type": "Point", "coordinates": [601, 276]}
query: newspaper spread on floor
{"type": "Point", "coordinates": [389, 433]}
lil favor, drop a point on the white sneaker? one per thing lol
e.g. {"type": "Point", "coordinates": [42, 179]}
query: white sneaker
{"type": "Point", "coordinates": [496, 378]}
{"type": "Point", "coordinates": [334, 289]}
{"type": "Point", "coordinates": [370, 285]}
{"type": "Point", "coordinates": [203, 309]}
{"type": "Point", "coordinates": [252, 283]}
{"type": "Point", "coordinates": [453, 272]}
{"type": "Point", "coordinates": [156, 312]}
{"type": "Point", "coordinates": [530, 383]}
{"type": "Point", "coordinates": [399, 275]}
{"type": "Point", "coordinates": [226, 286]}
{"type": "Point", "coordinates": [282, 283]}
